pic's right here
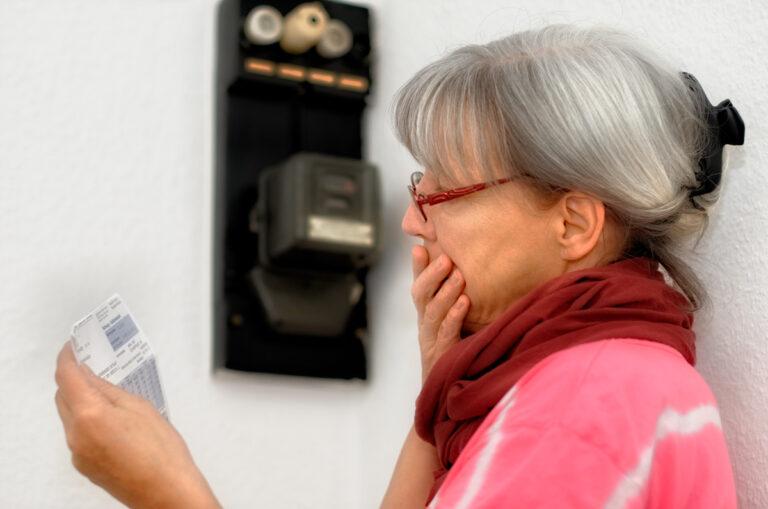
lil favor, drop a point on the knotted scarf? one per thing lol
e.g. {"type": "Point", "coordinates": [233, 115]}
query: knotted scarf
{"type": "Point", "coordinates": [628, 298]}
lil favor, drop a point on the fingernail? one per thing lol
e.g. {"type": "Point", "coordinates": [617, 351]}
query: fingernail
{"type": "Point", "coordinates": [456, 275]}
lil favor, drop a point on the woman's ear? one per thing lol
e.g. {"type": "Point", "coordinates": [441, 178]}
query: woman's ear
{"type": "Point", "coordinates": [580, 224]}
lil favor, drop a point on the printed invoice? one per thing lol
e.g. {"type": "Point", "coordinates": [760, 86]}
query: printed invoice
{"type": "Point", "coordinates": [111, 343]}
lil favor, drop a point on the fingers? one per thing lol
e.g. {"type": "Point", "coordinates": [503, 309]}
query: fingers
{"type": "Point", "coordinates": [72, 381]}
{"type": "Point", "coordinates": [450, 328]}
{"type": "Point", "coordinates": [436, 310]}
{"type": "Point", "coordinates": [112, 392]}
{"type": "Point", "coordinates": [65, 358]}
{"type": "Point", "coordinates": [420, 259]}
{"type": "Point", "coordinates": [428, 281]}
{"type": "Point", "coordinates": [79, 386]}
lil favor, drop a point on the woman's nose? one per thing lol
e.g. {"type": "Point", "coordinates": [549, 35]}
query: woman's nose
{"type": "Point", "coordinates": [413, 224]}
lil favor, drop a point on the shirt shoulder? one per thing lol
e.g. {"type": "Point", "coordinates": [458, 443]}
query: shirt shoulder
{"type": "Point", "coordinates": [608, 423]}
{"type": "Point", "coordinates": [624, 381]}
{"type": "Point", "coordinates": [611, 393]}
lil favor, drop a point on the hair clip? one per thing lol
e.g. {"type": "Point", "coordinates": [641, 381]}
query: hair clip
{"type": "Point", "coordinates": [726, 128]}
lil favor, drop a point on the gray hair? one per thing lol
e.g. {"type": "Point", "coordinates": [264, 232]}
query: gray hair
{"type": "Point", "coordinates": [567, 107]}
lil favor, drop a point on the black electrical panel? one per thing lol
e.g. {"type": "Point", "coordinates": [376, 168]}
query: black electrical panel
{"type": "Point", "coordinates": [290, 104]}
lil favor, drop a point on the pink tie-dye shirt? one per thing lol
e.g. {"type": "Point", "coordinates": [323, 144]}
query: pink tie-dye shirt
{"type": "Point", "coordinates": [619, 423]}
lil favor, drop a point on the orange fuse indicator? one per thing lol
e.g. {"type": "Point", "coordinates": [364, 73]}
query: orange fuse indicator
{"type": "Point", "coordinates": [258, 66]}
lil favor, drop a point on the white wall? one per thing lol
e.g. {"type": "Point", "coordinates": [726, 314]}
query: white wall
{"type": "Point", "coordinates": [105, 185]}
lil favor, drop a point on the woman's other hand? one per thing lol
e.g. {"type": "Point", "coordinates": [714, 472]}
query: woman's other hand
{"type": "Point", "coordinates": [121, 443]}
{"type": "Point", "coordinates": [437, 293]}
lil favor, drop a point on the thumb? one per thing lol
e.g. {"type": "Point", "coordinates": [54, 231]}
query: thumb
{"type": "Point", "coordinates": [109, 390]}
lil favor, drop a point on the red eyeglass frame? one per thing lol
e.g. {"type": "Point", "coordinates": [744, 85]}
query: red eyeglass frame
{"type": "Point", "coordinates": [433, 199]}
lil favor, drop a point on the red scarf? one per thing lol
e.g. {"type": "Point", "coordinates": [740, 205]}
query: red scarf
{"type": "Point", "coordinates": [625, 299]}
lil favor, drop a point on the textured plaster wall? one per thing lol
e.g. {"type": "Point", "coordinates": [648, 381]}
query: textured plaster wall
{"type": "Point", "coordinates": [105, 185]}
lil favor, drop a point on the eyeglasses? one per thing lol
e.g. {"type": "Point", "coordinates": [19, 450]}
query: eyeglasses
{"type": "Point", "coordinates": [433, 199]}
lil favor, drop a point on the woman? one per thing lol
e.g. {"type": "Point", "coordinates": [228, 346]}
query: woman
{"type": "Point", "coordinates": [561, 173]}
{"type": "Point", "coordinates": [573, 385]}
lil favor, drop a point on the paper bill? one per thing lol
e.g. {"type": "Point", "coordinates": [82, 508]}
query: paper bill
{"type": "Point", "coordinates": [111, 343]}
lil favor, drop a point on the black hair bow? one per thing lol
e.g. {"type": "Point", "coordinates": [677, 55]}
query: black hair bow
{"type": "Point", "coordinates": [726, 128]}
